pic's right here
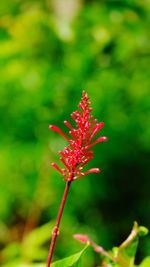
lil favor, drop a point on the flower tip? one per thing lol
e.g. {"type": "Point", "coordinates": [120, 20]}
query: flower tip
{"type": "Point", "coordinates": [84, 93]}
{"type": "Point", "coordinates": [104, 138]}
{"type": "Point", "coordinates": [101, 124]}
{"type": "Point", "coordinates": [81, 238]}
{"type": "Point", "coordinates": [54, 165]}
{"type": "Point", "coordinates": [97, 170]}
{"type": "Point", "coordinates": [53, 127]}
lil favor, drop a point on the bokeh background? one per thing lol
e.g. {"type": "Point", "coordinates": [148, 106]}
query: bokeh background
{"type": "Point", "coordinates": [50, 50]}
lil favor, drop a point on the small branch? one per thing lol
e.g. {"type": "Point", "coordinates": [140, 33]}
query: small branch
{"type": "Point", "coordinates": [134, 233]}
{"type": "Point", "coordinates": [56, 228]}
{"type": "Point", "coordinates": [101, 251]}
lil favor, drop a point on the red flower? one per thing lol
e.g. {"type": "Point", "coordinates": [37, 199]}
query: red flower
{"type": "Point", "coordinates": [77, 153]}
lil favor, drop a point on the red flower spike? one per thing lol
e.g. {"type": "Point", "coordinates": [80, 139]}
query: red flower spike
{"type": "Point", "coordinates": [77, 154]}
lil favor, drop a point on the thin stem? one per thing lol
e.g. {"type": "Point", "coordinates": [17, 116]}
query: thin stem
{"type": "Point", "coordinates": [100, 250]}
{"type": "Point", "coordinates": [56, 228]}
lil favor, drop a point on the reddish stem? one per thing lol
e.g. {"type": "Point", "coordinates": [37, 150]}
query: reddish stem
{"type": "Point", "coordinates": [56, 228]}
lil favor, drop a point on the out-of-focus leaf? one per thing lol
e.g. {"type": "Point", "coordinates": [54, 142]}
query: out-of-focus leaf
{"type": "Point", "coordinates": [12, 251]}
{"type": "Point", "coordinates": [145, 263]}
{"type": "Point", "coordinates": [18, 264]}
{"type": "Point", "coordinates": [73, 260]}
{"type": "Point", "coordinates": [32, 244]}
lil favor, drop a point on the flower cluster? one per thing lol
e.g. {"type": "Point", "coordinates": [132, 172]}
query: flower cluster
{"type": "Point", "coordinates": [78, 152]}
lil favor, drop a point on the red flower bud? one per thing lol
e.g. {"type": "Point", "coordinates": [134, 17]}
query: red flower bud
{"type": "Point", "coordinates": [81, 238]}
{"type": "Point", "coordinates": [92, 170]}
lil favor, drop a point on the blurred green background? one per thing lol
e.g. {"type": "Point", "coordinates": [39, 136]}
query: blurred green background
{"type": "Point", "coordinates": [50, 50]}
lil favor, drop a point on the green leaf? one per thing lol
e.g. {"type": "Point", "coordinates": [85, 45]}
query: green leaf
{"type": "Point", "coordinates": [125, 254]}
{"type": "Point", "coordinates": [19, 264]}
{"type": "Point", "coordinates": [145, 262]}
{"type": "Point", "coordinates": [39, 235]}
{"type": "Point", "coordinates": [12, 251]}
{"type": "Point", "coordinates": [73, 260]}
{"type": "Point", "coordinates": [32, 244]}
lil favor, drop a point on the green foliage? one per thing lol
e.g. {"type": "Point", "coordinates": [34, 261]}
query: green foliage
{"type": "Point", "coordinates": [32, 245]}
{"type": "Point", "coordinates": [122, 256]}
{"type": "Point", "coordinates": [47, 58]}
{"type": "Point", "coordinates": [125, 254]}
{"type": "Point", "coordinates": [32, 249]}
{"type": "Point", "coordinates": [73, 260]}
{"type": "Point", "coordinates": [145, 262]}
